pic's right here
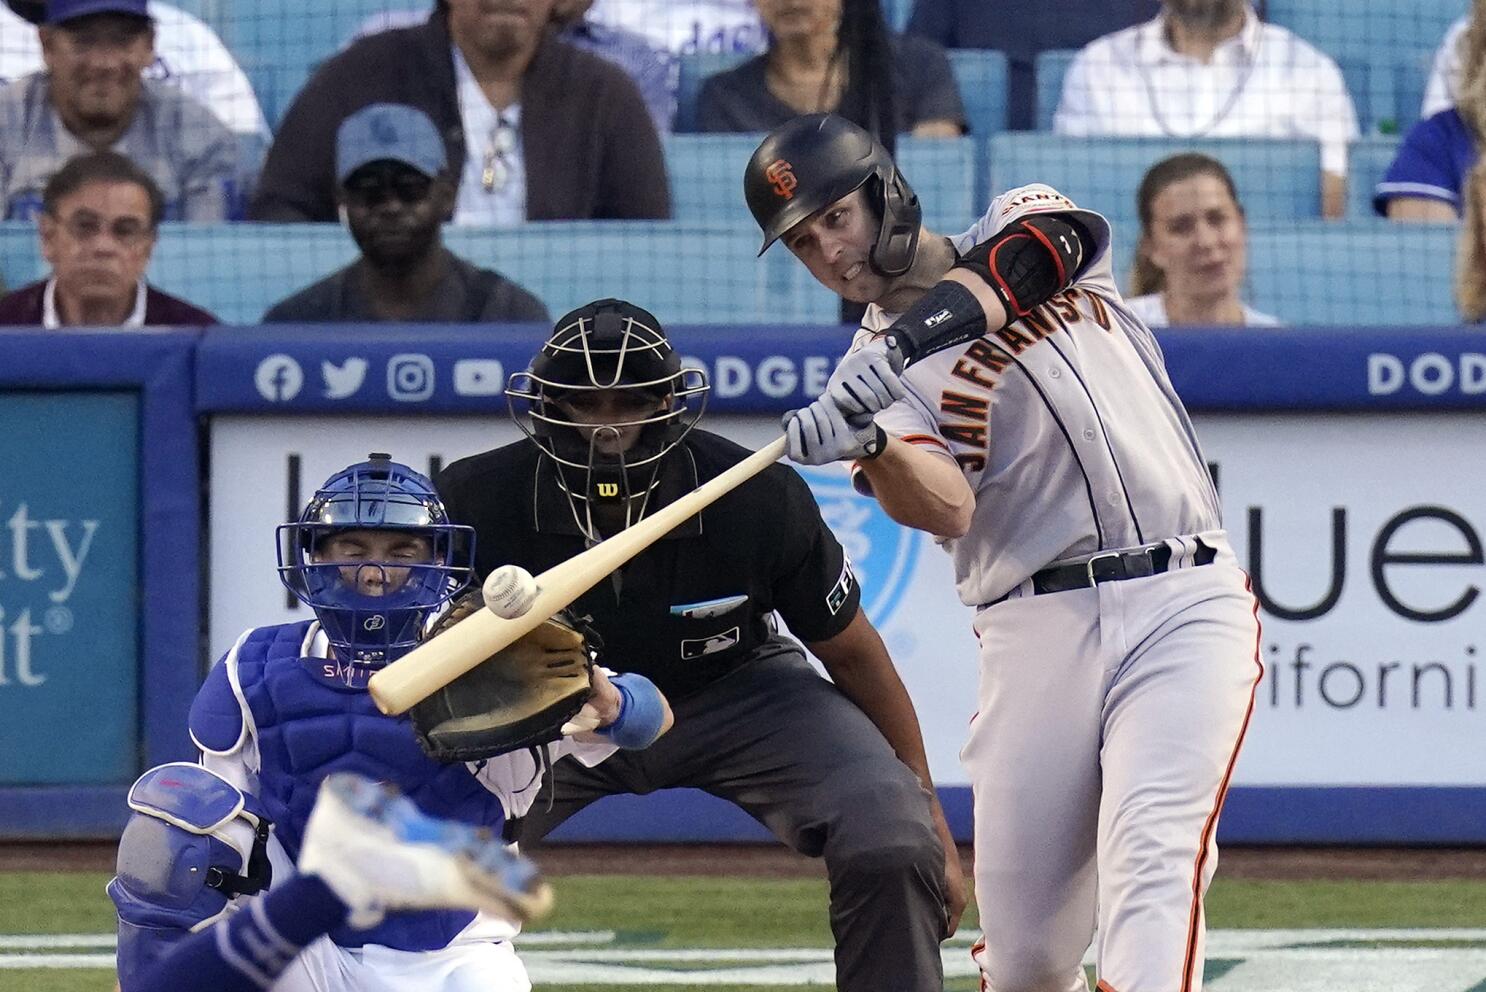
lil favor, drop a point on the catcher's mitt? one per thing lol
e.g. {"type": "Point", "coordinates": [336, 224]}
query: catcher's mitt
{"type": "Point", "coordinates": [518, 698]}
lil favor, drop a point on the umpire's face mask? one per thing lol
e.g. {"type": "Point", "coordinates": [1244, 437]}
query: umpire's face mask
{"type": "Point", "coordinates": [617, 416]}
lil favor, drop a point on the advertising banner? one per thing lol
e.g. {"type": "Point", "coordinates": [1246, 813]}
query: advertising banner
{"type": "Point", "coordinates": [69, 607]}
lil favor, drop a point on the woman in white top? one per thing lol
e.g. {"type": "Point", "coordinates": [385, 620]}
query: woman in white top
{"type": "Point", "coordinates": [1193, 249]}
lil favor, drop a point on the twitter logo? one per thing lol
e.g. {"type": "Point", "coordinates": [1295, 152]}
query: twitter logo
{"type": "Point", "coordinates": [343, 380]}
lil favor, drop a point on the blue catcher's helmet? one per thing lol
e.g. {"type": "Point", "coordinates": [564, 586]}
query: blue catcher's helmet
{"type": "Point", "coordinates": [373, 608]}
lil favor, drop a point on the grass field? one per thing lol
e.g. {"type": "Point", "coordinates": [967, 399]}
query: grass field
{"type": "Point", "coordinates": [629, 932]}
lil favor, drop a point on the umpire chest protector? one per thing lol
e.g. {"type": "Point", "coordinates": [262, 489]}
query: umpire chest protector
{"type": "Point", "coordinates": [305, 727]}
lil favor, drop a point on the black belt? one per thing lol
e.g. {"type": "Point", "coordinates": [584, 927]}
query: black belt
{"type": "Point", "coordinates": [1110, 566]}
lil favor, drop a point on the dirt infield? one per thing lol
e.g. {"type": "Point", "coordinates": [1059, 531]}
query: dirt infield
{"type": "Point", "coordinates": [773, 861]}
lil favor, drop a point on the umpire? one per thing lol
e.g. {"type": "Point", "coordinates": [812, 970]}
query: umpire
{"type": "Point", "coordinates": [833, 770]}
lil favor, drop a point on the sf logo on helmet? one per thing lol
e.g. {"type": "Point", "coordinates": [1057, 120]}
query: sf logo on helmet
{"type": "Point", "coordinates": [781, 176]}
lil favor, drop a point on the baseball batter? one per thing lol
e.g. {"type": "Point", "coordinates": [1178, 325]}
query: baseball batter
{"type": "Point", "coordinates": [1034, 431]}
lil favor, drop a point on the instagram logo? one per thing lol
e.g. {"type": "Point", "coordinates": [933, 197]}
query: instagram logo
{"type": "Point", "coordinates": [410, 377]}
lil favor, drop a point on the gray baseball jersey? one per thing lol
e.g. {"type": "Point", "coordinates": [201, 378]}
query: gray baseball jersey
{"type": "Point", "coordinates": [189, 153]}
{"type": "Point", "coordinates": [1063, 463]}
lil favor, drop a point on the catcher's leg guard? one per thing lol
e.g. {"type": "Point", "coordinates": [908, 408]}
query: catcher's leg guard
{"type": "Point", "coordinates": [194, 843]}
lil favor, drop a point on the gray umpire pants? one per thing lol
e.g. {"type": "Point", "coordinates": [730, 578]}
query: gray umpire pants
{"type": "Point", "coordinates": [785, 745]}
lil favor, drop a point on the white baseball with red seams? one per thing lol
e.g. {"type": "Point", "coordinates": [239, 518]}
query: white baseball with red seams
{"type": "Point", "coordinates": [509, 591]}
{"type": "Point", "coordinates": [1109, 716]}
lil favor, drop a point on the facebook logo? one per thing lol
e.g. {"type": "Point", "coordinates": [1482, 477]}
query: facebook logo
{"type": "Point", "coordinates": [278, 378]}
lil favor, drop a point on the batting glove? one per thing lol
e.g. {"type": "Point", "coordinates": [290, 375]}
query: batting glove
{"type": "Point", "coordinates": [867, 380]}
{"type": "Point", "coordinates": [821, 434]}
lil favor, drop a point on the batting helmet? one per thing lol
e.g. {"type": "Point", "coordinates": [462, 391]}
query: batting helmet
{"type": "Point", "coordinates": [607, 457]}
{"type": "Point", "coordinates": [373, 609]}
{"type": "Point", "coordinates": [810, 162]}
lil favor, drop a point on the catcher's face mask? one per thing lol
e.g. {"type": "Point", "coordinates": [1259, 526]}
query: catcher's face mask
{"type": "Point", "coordinates": [607, 399]}
{"type": "Point", "coordinates": [374, 555]}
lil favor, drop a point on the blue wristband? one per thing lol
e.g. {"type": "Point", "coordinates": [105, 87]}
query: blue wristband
{"type": "Point", "coordinates": [642, 712]}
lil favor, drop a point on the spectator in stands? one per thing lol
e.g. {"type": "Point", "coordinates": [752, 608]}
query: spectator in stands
{"type": "Point", "coordinates": [395, 191]}
{"type": "Point", "coordinates": [1022, 30]}
{"type": "Point", "coordinates": [1470, 254]}
{"type": "Point", "coordinates": [1424, 182]}
{"type": "Point", "coordinates": [1444, 75]}
{"type": "Point", "coordinates": [188, 54]}
{"type": "Point", "coordinates": [534, 128]}
{"type": "Point", "coordinates": [1212, 69]}
{"type": "Point", "coordinates": [836, 55]}
{"type": "Point", "coordinates": [651, 69]}
{"type": "Point", "coordinates": [92, 97]}
{"type": "Point", "coordinates": [685, 27]}
{"type": "Point", "coordinates": [1193, 251]}
{"type": "Point", "coordinates": [99, 217]}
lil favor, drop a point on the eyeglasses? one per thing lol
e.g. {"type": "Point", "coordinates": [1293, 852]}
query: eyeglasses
{"type": "Point", "coordinates": [131, 232]}
{"type": "Point", "coordinates": [407, 187]}
{"type": "Point", "coordinates": [498, 151]}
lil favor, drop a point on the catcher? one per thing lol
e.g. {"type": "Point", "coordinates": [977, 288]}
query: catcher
{"type": "Point", "coordinates": [389, 893]}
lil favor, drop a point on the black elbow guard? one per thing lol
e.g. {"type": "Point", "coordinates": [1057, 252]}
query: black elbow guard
{"type": "Point", "coordinates": [1027, 262]}
{"type": "Point", "coordinates": [947, 315]}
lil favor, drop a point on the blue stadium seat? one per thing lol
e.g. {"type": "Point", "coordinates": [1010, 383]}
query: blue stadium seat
{"type": "Point", "coordinates": [1049, 68]}
{"type": "Point", "coordinates": [981, 75]}
{"type": "Point", "coordinates": [692, 69]}
{"type": "Point", "coordinates": [684, 272]}
{"type": "Point", "coordinates": [1353, 273]}
{"type": "Point", "coordinates": [707, 177]}
{"type": "Point", "coordinates": [1410, 77]}
{"type": "Point", "coordinates": [1367, 160]}
{"type": "Point", "coordinates": [1371, 83]}
{"type": "Point", "coordinates": [1276, 179]}
{"type": "Point", "coordinates": [1371, 30]}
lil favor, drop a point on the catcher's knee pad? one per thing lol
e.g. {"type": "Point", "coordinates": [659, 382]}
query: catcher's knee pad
{"type": "Point", "coordinates": [1029, 261]}
{"type": "Point", "coordinates": [194, 843]}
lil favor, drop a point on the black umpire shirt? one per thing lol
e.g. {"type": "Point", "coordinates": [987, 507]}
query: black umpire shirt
{"type": "Point", "coordinates": [694, 605]}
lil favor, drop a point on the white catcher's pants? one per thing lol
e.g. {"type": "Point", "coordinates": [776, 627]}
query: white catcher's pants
{"type": "Point", "coordinates": [473, 966]}
{"type": "Point", "coordinates": [1109, 722]}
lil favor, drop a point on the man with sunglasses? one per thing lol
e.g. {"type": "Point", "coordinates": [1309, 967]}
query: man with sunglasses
{"type": "Point", "coordinates": [100, 214]}
{"type": "Point", "coordinates": [394, 188]}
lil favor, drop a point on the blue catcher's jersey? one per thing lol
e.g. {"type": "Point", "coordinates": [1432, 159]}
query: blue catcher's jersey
{"type": "Point", "coordinates": [295, 717]}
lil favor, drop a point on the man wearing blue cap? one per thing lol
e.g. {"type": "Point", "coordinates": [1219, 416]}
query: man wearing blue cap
{"type": "Point", "coordinates": [393, 185]}
{"type": "Point", "coordinates": [92, 98]}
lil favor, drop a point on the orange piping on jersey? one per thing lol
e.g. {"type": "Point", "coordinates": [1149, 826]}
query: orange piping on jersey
{"type": "Point", "coordinates": [1104, 986]}
{"type": "Point", "coordinates": [979, 948]}
{"type": "Point", "coordinates": [1190, 963]}
{"type": "Point", "coordinates": [924, 439]}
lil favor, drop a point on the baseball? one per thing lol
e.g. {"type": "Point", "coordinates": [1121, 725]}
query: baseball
{"type": "Point", "coordinates": [509, 591]}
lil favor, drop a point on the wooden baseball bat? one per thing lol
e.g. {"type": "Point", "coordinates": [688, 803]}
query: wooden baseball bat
{"type": "Point", "coordinates": [433, 665]}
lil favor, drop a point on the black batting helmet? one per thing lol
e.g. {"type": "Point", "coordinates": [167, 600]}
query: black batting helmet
{"type": "Point", "coordinates": [607, 345]}
{"type": "Point", "coordinates": [811, 162]}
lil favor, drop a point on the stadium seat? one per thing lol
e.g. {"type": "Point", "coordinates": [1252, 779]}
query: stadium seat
{"type": "Point", "coordinates": [707, 177]}
{"type": "Point", "coordinates": [692, 70]}
{"type": "Point", "coordinates": [1049, 68]}
{"type": "Point", "coordinates": [1366, 163]}
{"type": "Point", "coordinates": [1352, 273]}
{"type": "Point", "coordinates": [684, 272]}
{"type": "Point", "coordinates": [1369, 31]}
{"type": "Point", "coordinates": [1276, 179]}
{"type": "Point", "coordinates": [1410, 76]}
{"type": "Point", "coordinates": [981, 76]}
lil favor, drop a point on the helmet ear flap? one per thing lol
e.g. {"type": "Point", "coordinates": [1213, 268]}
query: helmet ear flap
{"type": "Point", "coordinates": [902, 217]}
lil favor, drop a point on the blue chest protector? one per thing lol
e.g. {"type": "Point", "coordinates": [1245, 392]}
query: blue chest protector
{"type": "Point", "coordinates": [308, 723]}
